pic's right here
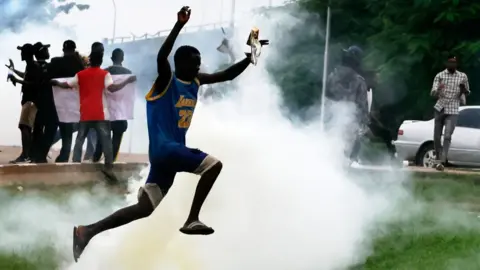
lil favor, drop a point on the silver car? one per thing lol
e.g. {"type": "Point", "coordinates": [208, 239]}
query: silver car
{"type": "Point", "coordinates": [415, 140]}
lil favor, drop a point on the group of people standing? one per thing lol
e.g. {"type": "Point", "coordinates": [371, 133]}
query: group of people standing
{"type": "Point", "coordinates": [39, 123]}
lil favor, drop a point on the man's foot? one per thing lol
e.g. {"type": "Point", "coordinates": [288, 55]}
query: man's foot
{"type": "Point", "coordinates": [110, 176]}
{"type": "Point", "coordinates": [449, 165]}
{"type": "Point", "coordinates": [19, 159]}
{"type": "Point", "coordinates": [80, 241]}
{"type": "Point", "coordinates": [440, 167]}
{"type": "Point", "coordinates": [196, 228]}
{"type": "Point", "coordinates": [38, 161]}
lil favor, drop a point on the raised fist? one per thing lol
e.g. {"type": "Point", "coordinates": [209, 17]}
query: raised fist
{"type": "Point", "coordinates": [184, 15]}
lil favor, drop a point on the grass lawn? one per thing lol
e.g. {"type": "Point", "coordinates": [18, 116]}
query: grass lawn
{"type": "Point", "coordinates": [36, 259]}
{"type": "Point", "coordinates": [433, 240]}
{"type": "Point", "coordinates": [429, 241]}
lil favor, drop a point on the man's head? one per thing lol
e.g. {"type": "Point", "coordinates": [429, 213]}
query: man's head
{"type": "Point", "coordinates": [96, 55]}
{"type": "Point", "coordinates": [41, 51]}
{"type": "Point", "coordinates": [27, 51]}
{"type": "Point", "coordinates": [69, 47]}
{"type": "Point", "coordinates": [96, 59]}
{"type": "Point", "coordinates": [117, 56]}
{"type": "Point", "coordinates": [352, 57]}
{"type": "Point", "coordinates": [451, 63]}
{"type": "Point", "coordinates": [187, 62]}
{"type": "Point", "coordinates": [98, 47]}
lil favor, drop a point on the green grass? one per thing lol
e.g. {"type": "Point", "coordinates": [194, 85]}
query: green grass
{"type": "Point", "coordinates": [443, 235]}
{"type": "Point", "coordinates": [37, 259]}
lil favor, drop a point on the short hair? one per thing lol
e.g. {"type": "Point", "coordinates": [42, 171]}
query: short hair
{"type": "Point", "coordinates": [117, 54]}
{"type": "Point", "coordinates": [184, 52]}
{"type": "Point", "coordinates": [97, 47]}
{"type": "Point", "coordinates": [96, 59]}
{"type": "Point", "coordinates": [452, 58]}
{"type": "Point", "coordinates": [69, 45]}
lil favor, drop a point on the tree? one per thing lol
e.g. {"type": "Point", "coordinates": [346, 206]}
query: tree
{"type": "Point", "coordinates": [406, 44]}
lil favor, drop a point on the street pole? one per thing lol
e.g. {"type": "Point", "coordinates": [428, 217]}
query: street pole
{"type": "Point", "coordinates": [325, 70]}
{"type": "Point", "coordinates": [114, 21]}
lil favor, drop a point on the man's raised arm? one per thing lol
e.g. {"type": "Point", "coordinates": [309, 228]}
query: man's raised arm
{"type": "Point", "coordinates": [226, 75]}
{"type": "Point", "coordinates": [11, 66]}
{"type": "Point", "coordinates": [162, 63]}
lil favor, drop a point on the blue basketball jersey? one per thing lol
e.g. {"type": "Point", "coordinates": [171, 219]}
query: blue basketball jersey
{"type": "Point", "coordinates": [169, 113]}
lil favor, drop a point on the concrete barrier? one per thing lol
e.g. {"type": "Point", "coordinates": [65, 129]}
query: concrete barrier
{"type": "Point", "coordinates": [63, 173]}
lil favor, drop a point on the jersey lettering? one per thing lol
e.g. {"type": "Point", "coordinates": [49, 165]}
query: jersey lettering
{"type": "Point", "coordinates": [185, 118]}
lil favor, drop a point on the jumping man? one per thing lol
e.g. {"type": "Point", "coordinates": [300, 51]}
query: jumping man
{"type": "Point", "coordinates": [170, 106]}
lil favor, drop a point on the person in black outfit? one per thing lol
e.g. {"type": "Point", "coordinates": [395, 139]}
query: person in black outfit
{"type": "Point", "coordinates": [66, 66]}
{"type": "Point", "coordinates": [118, 127]}
{"type": "Point", "coordinates": [46, 120]}
{"type": "Point", "coordinates": [29, 107]}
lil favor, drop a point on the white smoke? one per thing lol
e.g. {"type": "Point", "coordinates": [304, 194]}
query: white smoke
{"type": "Point", "coordinates": [283, 200]}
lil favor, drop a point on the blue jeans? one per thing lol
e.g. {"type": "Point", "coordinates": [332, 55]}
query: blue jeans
{"type": "Point", "coordinates": [102, 131]}
{"type": "Point", "coordinates": [91, 141]}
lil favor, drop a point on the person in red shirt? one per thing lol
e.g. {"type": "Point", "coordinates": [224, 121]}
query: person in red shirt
{"type": "Point", "coordinates": [91, 83]}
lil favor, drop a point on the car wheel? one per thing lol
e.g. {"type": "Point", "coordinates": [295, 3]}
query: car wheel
{"type": "Point", "coordinates": [426, 157]}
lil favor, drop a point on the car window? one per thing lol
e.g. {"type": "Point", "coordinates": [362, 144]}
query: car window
{"type": "Point", "coordinates": [469, 118]}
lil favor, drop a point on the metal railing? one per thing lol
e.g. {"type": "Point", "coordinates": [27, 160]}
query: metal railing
{"type": "Point", "coordinates": [161, 33]}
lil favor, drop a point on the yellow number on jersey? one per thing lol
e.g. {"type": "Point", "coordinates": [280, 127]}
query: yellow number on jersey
{"type": "Point", "coordinates": [185, 118]}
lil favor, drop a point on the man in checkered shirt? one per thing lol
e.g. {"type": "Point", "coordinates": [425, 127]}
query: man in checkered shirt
{"type": "Point", "coordinates": [449, 88]}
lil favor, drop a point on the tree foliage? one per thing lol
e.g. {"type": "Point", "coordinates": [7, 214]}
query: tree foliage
{"type": "Point", "coordinates": [406, 44]}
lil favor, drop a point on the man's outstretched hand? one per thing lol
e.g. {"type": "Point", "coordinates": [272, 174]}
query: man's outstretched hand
{"type": "Point", "coordinates": [132, 79]}
{"type": "Point", "coordinates": [11, 65]}
{"type": "Point", "coordinates": [54, 82]}
{"type": "Point", "coordinates": [12, 79]}
{"type": "Point", "coordinates": [184, 15]}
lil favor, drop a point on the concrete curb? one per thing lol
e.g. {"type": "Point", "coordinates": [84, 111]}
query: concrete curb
{"type": "Point", "coordinates": [63, 173]}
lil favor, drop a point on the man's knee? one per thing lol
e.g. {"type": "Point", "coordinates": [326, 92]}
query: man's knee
{"type": "Point", "coordinates": [216, 168]}
{"type": "Point", "coordinates": [209, 165]}
{"type": "Point", "coordinates": [119, 126]}
{"type": "Point", "coordinates": [28, 114]}
{"type": "Point", "coordinates": [25, 128]}
{"type": "Point", "coordinates": [149, 197]}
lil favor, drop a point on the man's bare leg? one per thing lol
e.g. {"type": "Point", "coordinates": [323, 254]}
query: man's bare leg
{"type": "Point", "coordinates": [193, 225]}
{"type": "Point", "coordinates": [83, 234]}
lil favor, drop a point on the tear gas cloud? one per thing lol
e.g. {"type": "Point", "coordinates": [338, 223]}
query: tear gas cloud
{"type": "Point", "coordinates": [283, 201]}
